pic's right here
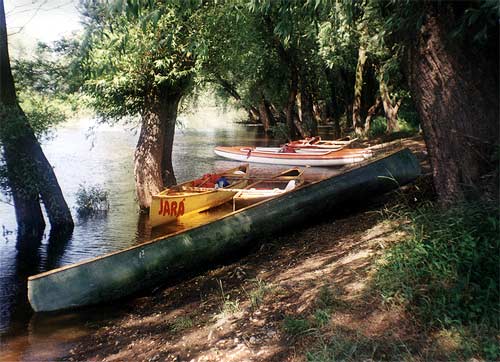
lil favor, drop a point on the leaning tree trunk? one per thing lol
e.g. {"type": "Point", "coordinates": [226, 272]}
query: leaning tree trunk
{"type": "Point", "coordinates": [28, 171]}
{"type": "Point", "coordinates": [153, 167]}
{"type": "Point", "coordinates": [265, 115]}
{"type": "Point", "coordinates": [371, 112]}
{"type": "Point", "coordinates": [457, 100]}
{"type": "Point", "coordinates": [358, 87]}
{"type": "Point", "coordinates": [390, 109]}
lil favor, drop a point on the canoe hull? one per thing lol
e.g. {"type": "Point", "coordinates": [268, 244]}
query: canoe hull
{"type": "Point", "coordinates": [186, 199]}
{"type": "Point", "coordinates": [292, 160]}
{"type": "Point", "coordinates": [165, 209]}
{"type": "Point", "coordinates": [119, 274]}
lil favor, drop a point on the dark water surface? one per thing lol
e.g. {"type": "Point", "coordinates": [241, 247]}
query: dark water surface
{"type": "Point", "coordinates": [105, 159]}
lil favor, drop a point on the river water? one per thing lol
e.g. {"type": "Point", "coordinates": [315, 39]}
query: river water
{"type": "Point", "coordinates": [103, 156]}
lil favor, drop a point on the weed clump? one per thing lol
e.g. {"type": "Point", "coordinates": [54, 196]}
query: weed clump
{"type": "Point", "coordinates": [91, 200]}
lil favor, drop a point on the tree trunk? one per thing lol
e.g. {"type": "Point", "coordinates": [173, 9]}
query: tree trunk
{"type": "Point", "coordinates": [309, 126]}
{"type": "Point", "coordinates": [371, 112]}
{"type": "Point", "coordinates": [51, 194]}
{"type": "Point", "coordinates": [290, 105]}
{"type": "Point", "coordinates": [29, 172]}
{"type": "Point", "coordinates": [358, 87]}
{"type": "Point", "coordinates": [29, 217]}
{"type": "Point", "coordinates": [457, 100]}
{"type": "Point", "coordinates": [390, 110]}
{"type": "Point", "coordinates": [265, 115]}
{"type": "Point", "coordinates": [153, 167]}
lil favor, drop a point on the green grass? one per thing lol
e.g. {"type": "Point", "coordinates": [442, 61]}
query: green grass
{"type": "Point", "coordinates": [295, 327]}
{"type": "Point", "coordinates": [228, 306]}
{"type": "Point", "coordinates": [181, 323]}
{"type": "Point", "coordinates": [446, 272]}
{"type": "Point", "coordinates": [259, 292]}
{"type": "Point", "coordinates": [379, 125]}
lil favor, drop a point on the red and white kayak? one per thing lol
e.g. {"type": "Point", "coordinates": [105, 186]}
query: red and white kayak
{"type": "Point", "coordinates": [275, 156]}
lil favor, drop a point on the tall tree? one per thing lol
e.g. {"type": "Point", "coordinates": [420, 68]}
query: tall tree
{"type": "Point", "coordinates": [452, 63]}
{"type": "Point", "coordinates": [141, 61]}
{"type": "Point", "coordinates": [29, 174]}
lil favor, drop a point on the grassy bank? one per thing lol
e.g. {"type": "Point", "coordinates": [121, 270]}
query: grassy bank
{"type": "Point", "coordinates": [446, 273]}
{"type": "Point", "coordinates": [442, 275]}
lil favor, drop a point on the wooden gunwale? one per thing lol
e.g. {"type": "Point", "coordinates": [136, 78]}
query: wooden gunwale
{"type": "Point", "coordinates": [332, 154]}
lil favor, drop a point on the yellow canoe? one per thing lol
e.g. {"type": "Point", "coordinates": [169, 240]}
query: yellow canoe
{"type": "Point", "coordinates": [196, 195]}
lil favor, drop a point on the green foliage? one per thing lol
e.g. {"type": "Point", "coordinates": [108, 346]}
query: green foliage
{"type": "Point", "coordinates": [258, 293]}
{"type": "Point", "coordinates": [47, 84]}
{"type": "Point", "coordinates": [91, 200]}
{"type": "Point", "coordinates": [43, 112]}
{"type": "Point", "coordinates": [138, 51]}
{"type": "Point", "coordinates": [377, 127]}
{"type": "Point", "coordinates": [54, 70]}
{"type": "Point", "coordinates": [181, 323]}
{"type": "Point", "coordinates": [280, 131]}
{"type": "Point", "coordinates": [447, 271]}
{"type": "Point", "coordinates": [295, 327]}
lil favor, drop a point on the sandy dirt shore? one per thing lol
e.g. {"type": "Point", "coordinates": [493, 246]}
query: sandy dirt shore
{"type": "Point", "coordinates": [245, 311]}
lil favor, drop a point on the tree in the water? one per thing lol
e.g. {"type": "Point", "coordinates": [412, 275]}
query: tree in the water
{"type": "Point", "coordinates": [29, 176]}
{"type": "Point", "coordinates": [141, 60]}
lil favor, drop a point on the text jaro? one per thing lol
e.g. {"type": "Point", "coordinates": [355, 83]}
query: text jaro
{"type": "Point", "coordinates": [172, 208]}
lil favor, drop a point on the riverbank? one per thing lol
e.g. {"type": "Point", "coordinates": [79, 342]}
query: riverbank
{"type": "Point", "coordinates": [284, 302]}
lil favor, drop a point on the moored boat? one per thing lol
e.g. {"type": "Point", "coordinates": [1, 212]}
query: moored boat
{"type": "Point", "coordinates": [196, 195]}
{"type": "Point", "coordinates": [276, 156]}
{"type": "Point", "coordinates": [318, 143]}
{"type": "Point", "coordinates": [261, 190]}
{"type": "Point", "coordinates": [149, 264]}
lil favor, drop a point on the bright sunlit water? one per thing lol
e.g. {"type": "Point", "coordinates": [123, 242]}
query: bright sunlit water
{"type": "Point", "coordinates": [105, 157]}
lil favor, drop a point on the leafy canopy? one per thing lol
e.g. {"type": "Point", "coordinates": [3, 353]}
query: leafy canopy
{"type": "Point", "coordinates": [139, 50]}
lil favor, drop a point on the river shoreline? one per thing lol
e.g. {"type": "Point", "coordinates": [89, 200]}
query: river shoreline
{"type": "Point", "coordinates": [237, 312]}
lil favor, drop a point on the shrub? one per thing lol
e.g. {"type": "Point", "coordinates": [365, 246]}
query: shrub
{"type": "Point", "coordinates": [91, 200]}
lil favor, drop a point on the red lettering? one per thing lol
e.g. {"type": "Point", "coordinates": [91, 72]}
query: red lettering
{"type": "Point", "coordinates": [180, 211]}
{"type": "Point", "coordinates": [161, 207]}
{"type": "Point", "coordinates": [166, 209]}
{"type": "Point", "coordinates": [173, 208]}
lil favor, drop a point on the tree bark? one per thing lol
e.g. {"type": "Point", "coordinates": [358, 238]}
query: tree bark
{"type": "Point", "coordinates": [153, 167]}
{"type": "Point", "coordinates": [29, 217]}
{"type": "Point", "coordinates": [265, 115]}
{"type": "Point", "coordinates": [358, 87]}
{"type": "Point", "coordinates": [371, 112]}
{"type": "Point", "coordinates": [290, 104]}
{"type": "Point", "coordinates": [390, 109]}
{"type": "Point", "coordinates": [309, 126]}
{"type": "Point", "coordinates": [29, 172]}
{"type": "Point", "coordinates": [457, 100]}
